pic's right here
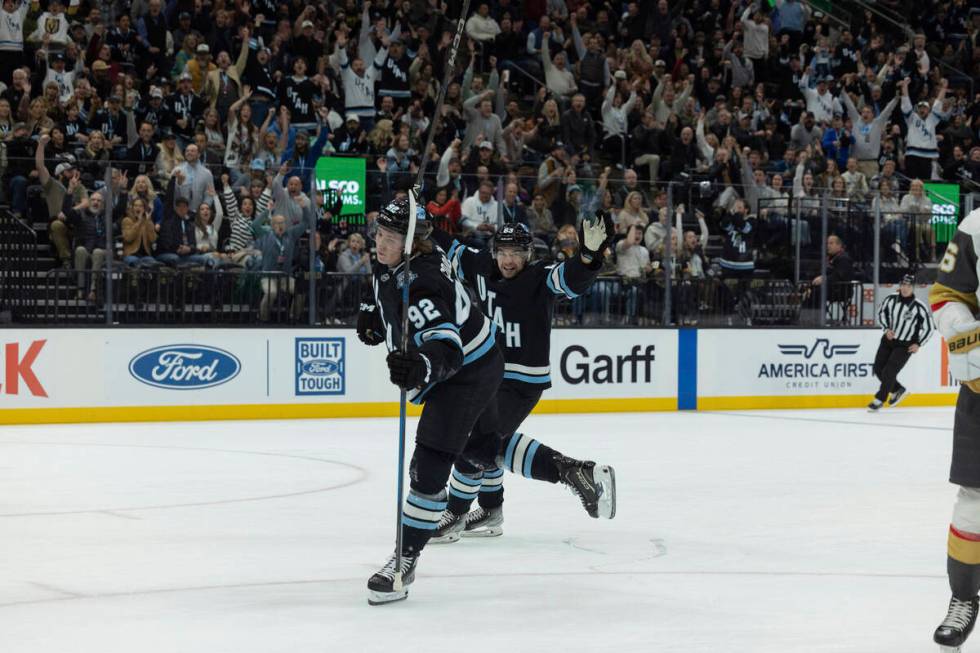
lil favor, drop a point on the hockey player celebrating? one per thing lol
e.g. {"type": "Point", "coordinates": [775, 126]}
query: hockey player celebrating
{"type": "Point", "coordinates": [519, 295]}
{"type": "Point", "coordinates": [454, 366]}
{"type": "Point", "coordinates": [908, 325]}
{"type": "Point", "coordinates": [954, 304]}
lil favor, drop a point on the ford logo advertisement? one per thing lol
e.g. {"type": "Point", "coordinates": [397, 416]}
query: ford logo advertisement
{"type": "Point", "coordinates": [320, 367]}
{"type": "Point", "coordinates": [184, 367]}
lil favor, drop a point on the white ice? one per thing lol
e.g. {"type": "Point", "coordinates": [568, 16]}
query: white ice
{"type": "Point", "coordinates": [736, 532]}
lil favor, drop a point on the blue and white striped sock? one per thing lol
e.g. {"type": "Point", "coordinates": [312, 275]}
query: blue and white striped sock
{"type": "Point", "coordinates": [493, 480]}
{"type": "Point", "coordinates": [492, 490]}
{"type": "Point", "coordinates": [526, 456]}
{"type": "Point", "coordinates": [423, 511]}
{"type": "Point", "coordinates": [463, 488]}
{"type": "Point", "coordinates": [519, 454]}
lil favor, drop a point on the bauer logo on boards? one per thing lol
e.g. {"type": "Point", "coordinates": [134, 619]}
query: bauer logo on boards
{"type": "Point", "coordinates": [184, 367]}
{"type": "Point", "coordinates": [319, 366]}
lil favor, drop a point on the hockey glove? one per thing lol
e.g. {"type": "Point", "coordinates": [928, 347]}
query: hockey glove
{"type": "Point", "coordinates": [964, 354]}
{"type": "Point", "coordinates": [409, 369]}
{"type": "Point", "coordinates": [595, 234]}
{"type": "Point", "coordinates": [370, 330]}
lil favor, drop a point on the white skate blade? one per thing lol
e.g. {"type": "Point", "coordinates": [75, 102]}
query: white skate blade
{"type": "Point", "coordinates": [448, 538]}
{"type": "Point", "coordinates": [606, 477]}
{"type": "Point", "coordinates": [492, 531]}
{"type": "Point", "coordinates": [380, 598]}
{"type": "Point", "coordinates": [950, 649]}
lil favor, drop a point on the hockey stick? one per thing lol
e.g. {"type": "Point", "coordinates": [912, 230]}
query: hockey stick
{"type": "Point", "coordinates": [413, 198]}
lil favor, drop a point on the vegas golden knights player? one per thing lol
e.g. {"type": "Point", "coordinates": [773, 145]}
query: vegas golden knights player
{"type": "Point", "coordinates": [955, 307]}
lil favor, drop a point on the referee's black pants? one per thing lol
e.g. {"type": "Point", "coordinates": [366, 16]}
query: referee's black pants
{"type": "Point", "coordinates": [891, 358]}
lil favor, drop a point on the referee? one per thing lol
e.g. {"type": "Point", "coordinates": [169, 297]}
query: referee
{"type": "Point", "coordinates": [908, 324]}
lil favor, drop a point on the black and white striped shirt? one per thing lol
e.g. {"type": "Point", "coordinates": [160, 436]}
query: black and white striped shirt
{"type": "Point", "coordinates": [910, 320]}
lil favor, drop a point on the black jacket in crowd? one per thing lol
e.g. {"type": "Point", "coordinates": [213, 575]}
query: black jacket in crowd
{"type": "Point", "coordinates": [174, 231]}
{"type": "Point", "coordinates": [87, 227]}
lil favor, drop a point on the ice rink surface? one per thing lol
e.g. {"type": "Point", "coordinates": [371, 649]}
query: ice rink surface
{"type": "Point", "coordinates": [749, 532]}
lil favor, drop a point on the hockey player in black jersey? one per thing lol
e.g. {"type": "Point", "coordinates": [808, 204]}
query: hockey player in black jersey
{"type": "Point", "coordinates": [454, 368]}
{"type": "Point", "coordinates": [519, 295]}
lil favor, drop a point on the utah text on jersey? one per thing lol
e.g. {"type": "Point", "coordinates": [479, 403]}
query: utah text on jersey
{"type": "Point", "coordinates": [521, 307]}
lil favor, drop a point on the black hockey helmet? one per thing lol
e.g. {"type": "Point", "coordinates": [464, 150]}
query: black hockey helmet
{"type": "Point", "coordinates": [394, 216]}
{"type": "Point", "coordinates": [513, 234]}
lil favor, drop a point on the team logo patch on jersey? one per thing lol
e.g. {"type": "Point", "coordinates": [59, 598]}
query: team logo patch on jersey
{"type": "Point", "coordinates": [320, 368]}
{"type": "Point", "coordinates": [401, 278]}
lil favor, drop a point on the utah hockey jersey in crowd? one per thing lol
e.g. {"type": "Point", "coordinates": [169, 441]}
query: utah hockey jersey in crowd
{"type": "Point", "coordinates": [12, 27]}
{"type": "Point", "coordinates": [737, 250]}
{"type": "Point", "coordinates": [257, 75]}
{"type": "Point", "coordinates": [910, 319]}
{"type": "Point", "coordinates": [921, 139]}
{"type": "Point", "coordinates": [186, 106]}
{"type": "Point", "coordinates": [443, 324]}
{"type": "Point", "coordinates": [299, 95]}
{"type": "Point", "coordinates": [823, 107]}
{"type": "Point", "coordinates": [359, 91]}
{"type": "Point", "coordinates": [521, 307]}
{"type": "Point", "coordinates": [395, 76]}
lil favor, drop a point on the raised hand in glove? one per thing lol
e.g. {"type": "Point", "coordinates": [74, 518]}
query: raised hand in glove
{"type": "Point", "coordinates": [370, 329]}
{"type": "Point", "coordinates": [595, 234]}
{"type": "Point", "coordinates": [408, 369]}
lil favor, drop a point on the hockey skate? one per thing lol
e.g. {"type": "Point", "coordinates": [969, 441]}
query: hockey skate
{"type": "Point", "coordinates": [897, 397]}
{"type": "Point", "coordinates": [874, 406]}
{"type": "Point", "coordinates": [594, 485]}
{"type": "Point", "coordinates": [484, 523]}
{"type": "Point", "coordinates": [957, 625]}
{"type": "Point", "coordinates": [381, 586]}
{"type": "Point", "coordinates": [450, 527]}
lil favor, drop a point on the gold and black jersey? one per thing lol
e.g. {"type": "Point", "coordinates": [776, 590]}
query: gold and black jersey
{"type": "Point", "coordinates": [957, 280]}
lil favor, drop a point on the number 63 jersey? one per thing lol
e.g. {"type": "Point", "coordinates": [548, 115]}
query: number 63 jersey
{"type": "Point", "coordinates": [442, 322]}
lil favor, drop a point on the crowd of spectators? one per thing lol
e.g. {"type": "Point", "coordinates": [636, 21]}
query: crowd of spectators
{"type": "Point", "coordinates": [201, 122]}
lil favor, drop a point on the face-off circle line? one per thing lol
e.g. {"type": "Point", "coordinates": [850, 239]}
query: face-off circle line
{"type": "Point", "coordinates": [362, 474]}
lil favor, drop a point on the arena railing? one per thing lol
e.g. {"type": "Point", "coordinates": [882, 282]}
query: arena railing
{"type": "Point", "coordinates": [196, 296]}
{"type": "Point", "coordinates": [18, 269]}
{"type": "Point", "coordinates": [789, 249]}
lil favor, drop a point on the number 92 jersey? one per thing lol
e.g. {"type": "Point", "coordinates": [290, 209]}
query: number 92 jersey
{"type": "Point", "coordinates": [443, 324]}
